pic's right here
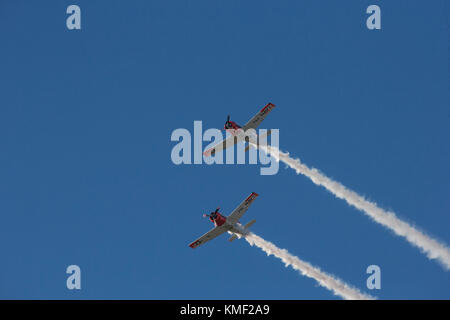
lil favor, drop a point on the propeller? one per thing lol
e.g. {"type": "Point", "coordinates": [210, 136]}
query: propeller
{"type": "Point", "coordinates": [212, 214]}
{"type": "Point", "coordinates": [227, 122]}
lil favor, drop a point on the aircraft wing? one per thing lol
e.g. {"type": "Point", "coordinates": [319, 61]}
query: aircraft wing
{"type": "Point", "coordinates": [211, 234]}
{"type": "Point", "coordinates": [222, 145]}
{"type": "Point", "coordinates": [259, 117]}
{"type": "Point", "coordinates": [241, 209]}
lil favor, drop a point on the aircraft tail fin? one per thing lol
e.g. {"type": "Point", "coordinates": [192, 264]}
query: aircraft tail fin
{"type": "Point", "coordinates": [248, 225]}
{"type": "Point", "coordinates": [235, 236]}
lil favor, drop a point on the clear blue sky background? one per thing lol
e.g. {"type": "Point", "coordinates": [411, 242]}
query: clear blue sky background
{"type": "Point", "coordinates": [86, 116]}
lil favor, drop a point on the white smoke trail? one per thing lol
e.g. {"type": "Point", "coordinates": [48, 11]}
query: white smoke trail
{"type": "Point", "coordinates": [431, 247]}
{"type": "Point", "coordinates": [337, 286]}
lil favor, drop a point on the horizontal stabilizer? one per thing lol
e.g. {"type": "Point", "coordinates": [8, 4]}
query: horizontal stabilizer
{"type": "Point", "coordinates": [248, 225]}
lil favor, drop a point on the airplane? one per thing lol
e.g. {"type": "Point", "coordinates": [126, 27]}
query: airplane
{"type": "Point", "coordinates": [228, 224]}
{"type": "Point", "coordinates": [238, 133]}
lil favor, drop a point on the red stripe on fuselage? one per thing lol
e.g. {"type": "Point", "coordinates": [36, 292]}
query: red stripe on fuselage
{"type": "Point", "coordinates": [220, 220]}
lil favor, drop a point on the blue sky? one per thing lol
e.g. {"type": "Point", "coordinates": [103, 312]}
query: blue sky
{"type": "Point", "coordinates": [86, 116]}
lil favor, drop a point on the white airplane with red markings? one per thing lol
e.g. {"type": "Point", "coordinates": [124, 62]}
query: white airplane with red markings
{"type": "Point", "coordinates": [228, 224]}
{"type": "Point", "coordinates": [239, 133]}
